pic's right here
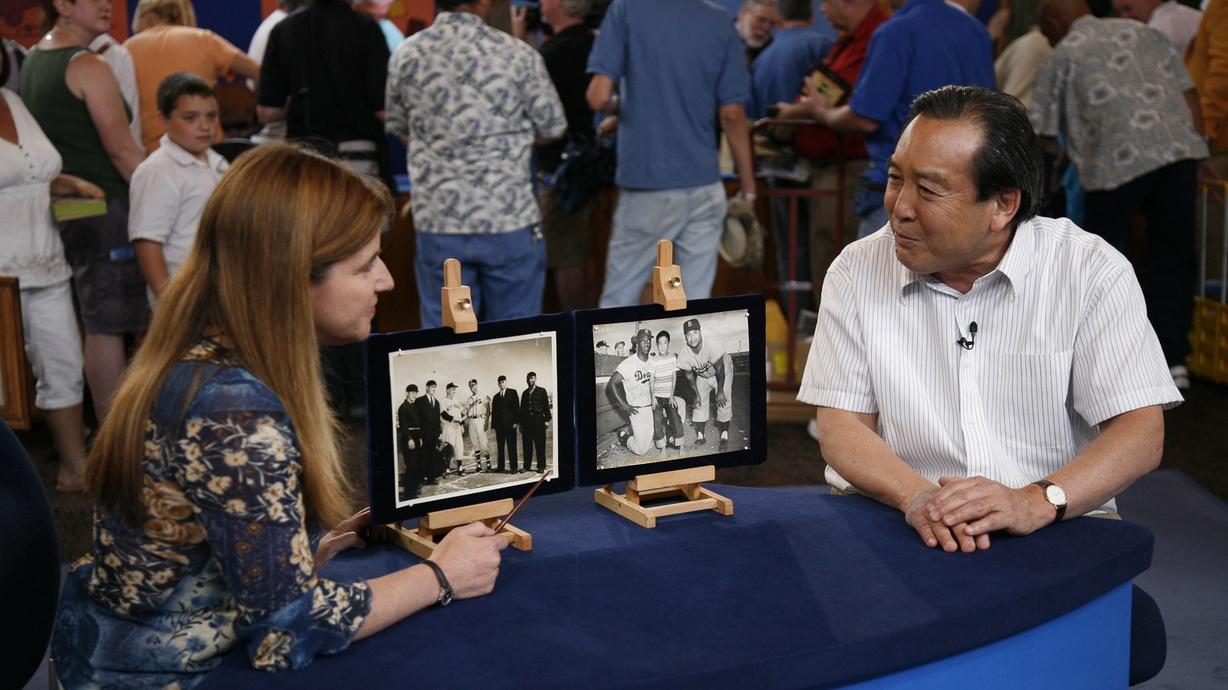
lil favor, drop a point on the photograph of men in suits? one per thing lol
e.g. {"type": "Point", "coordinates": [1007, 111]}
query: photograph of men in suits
{"type": "Point", "coordinates": [429, 419]}
{"type": "Point", "coordinates": [409, 441]}
{"type": "Point", "coordinates": [504, 416]}
{"type": "Point", "coordinates": [534, 416]}
{"type": "Point", "coordinates": [453, 445]}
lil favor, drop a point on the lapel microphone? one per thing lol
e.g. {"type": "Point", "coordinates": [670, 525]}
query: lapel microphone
{"type": "Point", "coordinates": [966, 343]}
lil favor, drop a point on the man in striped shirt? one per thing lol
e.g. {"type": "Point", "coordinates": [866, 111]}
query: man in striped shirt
{"type": "Point", "coordinates": [969, 355]}
{"type": "Point", "coordinates": [669, 429]}
{"type": "Point", "coordinates": [978, 368]}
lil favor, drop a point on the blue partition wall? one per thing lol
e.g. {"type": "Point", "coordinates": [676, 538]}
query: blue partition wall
{"type": "Point", "coordinates": [233, 20]}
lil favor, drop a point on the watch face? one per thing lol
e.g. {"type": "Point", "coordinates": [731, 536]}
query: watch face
{"type": "Point", "coordinates": [445, 596]}
{"type": "Point", "coordinates": [1055, 495]}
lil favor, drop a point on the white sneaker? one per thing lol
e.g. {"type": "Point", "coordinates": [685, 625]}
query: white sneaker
{"type": "Point", "coordinates": [1181, 377]}
{"type": "Point", "coordinates": [812, 428]}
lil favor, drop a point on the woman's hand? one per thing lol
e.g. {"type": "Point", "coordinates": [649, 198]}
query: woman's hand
{"type": "Point", "coordinates": [71, 185]}
{"type": "Point", "coordinates": [347, 535]}
{"type": "Point", "coordinates": [469, 556]}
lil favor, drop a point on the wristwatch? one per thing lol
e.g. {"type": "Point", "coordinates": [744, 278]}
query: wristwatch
{"type": "Point", "coordinates": [445, 589]}
{"type": "Point", "coordinates": [1055, 496]}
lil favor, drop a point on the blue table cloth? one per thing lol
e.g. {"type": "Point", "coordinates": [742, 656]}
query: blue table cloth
{"type": "Point", "coordinates": [796, 589]}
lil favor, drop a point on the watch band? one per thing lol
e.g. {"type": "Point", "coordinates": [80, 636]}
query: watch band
{"type": "Point", "coordinates": [445, 589]}
{"type": "Point", "coordinates": [1044, 484]}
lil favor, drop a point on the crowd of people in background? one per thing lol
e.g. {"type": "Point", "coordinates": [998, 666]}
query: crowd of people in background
{"type": "Point", "coordinates": [499, 126]}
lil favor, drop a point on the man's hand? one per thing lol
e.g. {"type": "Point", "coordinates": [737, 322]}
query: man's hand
{"type": "Point", "coordinates": [987, 506]}
{"type": "Point", "coordinates": [520, 22]}
{"type": "Point", "coordinates": [720, 399]}
{"type": "Point", "coordinates": [814, 100]}
{"type": "Point", "coordinates": [935, 532]}
{"type": "Point", "coordinates": [792, 111]}
{"type": "Point", "coordinates": [1207, 174]}
{"type": "Point", "coordinates": [469, 557]}
{"type": "Point", "coordinates": [607, 127]}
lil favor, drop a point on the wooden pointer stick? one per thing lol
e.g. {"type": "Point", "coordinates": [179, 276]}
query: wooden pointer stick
{"type": "Point", "coordinates": [524, 499]}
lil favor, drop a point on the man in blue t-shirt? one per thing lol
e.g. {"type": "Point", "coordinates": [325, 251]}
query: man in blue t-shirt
{"type": "Point", "coordinates": [925, 45]}
{"type": "Point", "coordinates": [776, 75]}
{"type": "Point", "coordinates": [669, 88]}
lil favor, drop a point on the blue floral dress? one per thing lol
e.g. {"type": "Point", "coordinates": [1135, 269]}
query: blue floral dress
{"type": "Point", "coordinates": [222, 554]}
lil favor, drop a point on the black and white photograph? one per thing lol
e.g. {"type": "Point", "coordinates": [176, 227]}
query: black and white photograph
{"type": "Point", "coordinates": [469, 418]}
{"type": "Point", "coordinates": [672, 388]}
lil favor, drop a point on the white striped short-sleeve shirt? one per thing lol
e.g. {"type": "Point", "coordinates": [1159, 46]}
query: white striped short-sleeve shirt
{"type": "Point", "coordinates": [1062, 344]}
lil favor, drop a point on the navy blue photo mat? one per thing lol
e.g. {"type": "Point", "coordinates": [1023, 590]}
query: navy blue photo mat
{"type": "Point", "coordinates": [588, 474]}
{"type": "Point", "coordinates": [381, 442]}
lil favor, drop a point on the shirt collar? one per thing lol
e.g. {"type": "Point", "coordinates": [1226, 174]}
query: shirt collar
{"type": "Point", "coordinates": [1014, 266]}
{"type": "Point", "coordinates": [912, 5]}
{"type": "Point", "coordinates": [213, 159]}
{"type": "Point", "coordinates": [458, 17]}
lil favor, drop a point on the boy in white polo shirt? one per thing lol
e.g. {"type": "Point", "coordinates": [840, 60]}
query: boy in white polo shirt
{"type": "Point", "coordinates": [169, 189]}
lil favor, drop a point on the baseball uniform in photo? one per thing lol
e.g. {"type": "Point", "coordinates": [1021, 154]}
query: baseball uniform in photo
{"type": "Point", "coordinates": [479, 408]}
{"type": "Point", "coordinates": [703, 364]}
{"type": "Point", "coordinates": [637, 386]}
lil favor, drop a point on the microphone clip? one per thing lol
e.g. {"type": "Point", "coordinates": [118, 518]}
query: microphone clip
{"type": "Point", "coordinates": [965, 342]}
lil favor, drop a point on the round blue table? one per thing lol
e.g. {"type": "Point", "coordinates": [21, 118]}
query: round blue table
{"type": "Point", "coordinates": [797, 589]}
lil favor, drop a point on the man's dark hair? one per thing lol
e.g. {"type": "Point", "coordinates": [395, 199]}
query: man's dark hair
{"type": "Point", "coordinates": [794, 10]}
{"type": "Point", "coordinates": [1009, 157]}
{"type": "Point", "coordinates": [411, 388]}
{"type": "Point", "coordinates": [531, 374]}
{"type": "Point", "coordinates": [450, 5]}
{"type": "Point", "coordinates": [181, 84]}
{"type": "Point", "coordinates": [472, 381]}
{"type": "Point", "coordinates": [663, 333]}
{"type": "Point", "coordinates": [431, 383]}
{"type": "Point", "coordinates": [501, 379]}
{"type": "Point", "coordinates": [602, 343]}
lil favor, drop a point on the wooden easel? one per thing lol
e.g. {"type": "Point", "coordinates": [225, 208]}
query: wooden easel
{"type": "Point", "coordinates": [667, 288]}
{"type": "Point", "coordinates": [646, 487]}
{"type": "Point", "coordinates": [458, 314]}
{"type": "Point", "coordinates": [454, 300]}
{"type": "Point", "coordinates": [668, 292]}
{"type": "Point", "coordinates": [422, 540]}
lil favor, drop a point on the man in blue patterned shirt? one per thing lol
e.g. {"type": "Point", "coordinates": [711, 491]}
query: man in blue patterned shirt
{"type": "Point", "coordinates": [1132, 122]}
{"type": "Point", "coordinates": [471, 101]}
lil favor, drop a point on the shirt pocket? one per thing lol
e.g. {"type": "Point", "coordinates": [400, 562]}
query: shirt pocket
{"type": "Point", "coordinates": [1026, 398]}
